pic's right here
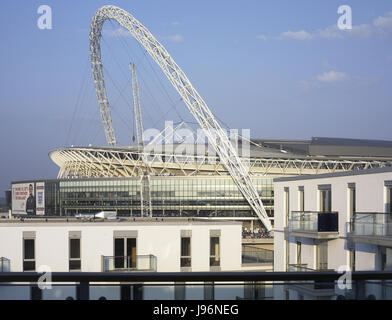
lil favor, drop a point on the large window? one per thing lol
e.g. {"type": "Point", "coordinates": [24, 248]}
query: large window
{"type": "Point", "coordinates": [322, 255]}
{"type": "Point", "coordinates": [186, 252]}
{"type": "Point", "coordinates": [325, 198]}
{"type": "Point", "coordinates": [299, 247]}
{"type": "Point", "coordinates": [214, 251]}
{"type": "Point", "coordinates": [388, 206]}
{"type": "Point", "coordinates": [301, 199]}
{"type": "Point", "coordinates": [352, 200]}
{"type": "Point", "coordinates": [125, 249]}
{"type": "Point", "coordinates": [352, 258]}
{"type": "Point", "coordinates": [287, 205]}
{"type": "Point", "coordinates": [28, 254]}
{"type": "Point", "coordinates": [74, 254]}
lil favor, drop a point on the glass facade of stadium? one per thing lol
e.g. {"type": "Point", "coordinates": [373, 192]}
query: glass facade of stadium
{"type": "Point", "coordinates": [172, 196]}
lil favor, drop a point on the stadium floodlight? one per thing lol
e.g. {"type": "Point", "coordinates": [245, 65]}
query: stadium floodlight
{"type": "Point", "coordinates": [196, 105]}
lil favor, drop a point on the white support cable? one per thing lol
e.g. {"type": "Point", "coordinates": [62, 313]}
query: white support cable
{"type": "Point", "coordinates": [145, 190]}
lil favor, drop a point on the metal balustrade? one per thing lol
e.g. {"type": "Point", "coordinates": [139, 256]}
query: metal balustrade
{"type": "Point", "coordinates": [209, 285]}
{"type": "Point", "coordinates": [129, 263]}
{"type": "Point", "coordinates": [313, 221]}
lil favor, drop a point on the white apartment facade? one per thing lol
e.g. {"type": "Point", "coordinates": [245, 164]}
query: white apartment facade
{"type": "Point", "coordinates": [162, 245]}
{"type": "Point", "coordinates": [333, 221]}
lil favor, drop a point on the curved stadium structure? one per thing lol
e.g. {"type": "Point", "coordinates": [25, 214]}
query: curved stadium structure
{"type": "Point", "coordinates": [267, 157]}
{"type": "Point", "coordinates": [97, 178]}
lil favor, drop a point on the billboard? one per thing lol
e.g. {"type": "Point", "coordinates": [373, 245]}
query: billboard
{"type": "Point", "coordinates": [24, 199]}
{"type": "Point", "coordinates": [40, 198]}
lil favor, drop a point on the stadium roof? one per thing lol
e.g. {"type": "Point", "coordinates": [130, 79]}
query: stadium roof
{"type": "Point", "coordinates": [332, 147]}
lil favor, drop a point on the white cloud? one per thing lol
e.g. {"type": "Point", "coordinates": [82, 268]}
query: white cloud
{"type": "Point", "coordinates": [380, 26]}
{"type": "Point", "coordinates": [261, 37]}
{"type": "Point", "coordinates": [332, 76]}
{"type": "Point", "coordinates": [175, 38]}
{"type": "Point", "coordinates": [362, 31]}
{"type": "Point", "coordinates": [175, 23]}
{"type": "Point", "coordinates": [296, 35]}
{"type": "Point", "coordinates": [332, 32]}
{"type": "Point", "coordinates": [384, 22]}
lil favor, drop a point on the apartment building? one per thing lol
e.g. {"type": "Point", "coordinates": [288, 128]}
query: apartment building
{"type": "Point", "coordinates": [333, 222]}
{"type": "Point", "coordinates": [133, 245]}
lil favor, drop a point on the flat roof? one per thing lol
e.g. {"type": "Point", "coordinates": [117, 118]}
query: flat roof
{"type": "Point", "coordinates": [335, 174]}
{"type": "Point", "coordinates": [122, 221]}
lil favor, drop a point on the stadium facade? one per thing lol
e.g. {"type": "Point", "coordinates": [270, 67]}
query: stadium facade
{"type": "Point", "coordinates": [93, 179]}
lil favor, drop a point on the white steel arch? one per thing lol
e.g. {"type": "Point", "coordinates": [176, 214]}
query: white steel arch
{"type": "Point", "coordinates": [196, 105]}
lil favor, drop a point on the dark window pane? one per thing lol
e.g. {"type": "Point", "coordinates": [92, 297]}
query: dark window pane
{"type": "Point", "coordinates": [29, 248]}
{"type": "Point", "coordinates": [185, 247]}
{"type": "Point", "coordinates": [119, 253]}
{"type": "Point", "coordinates": [74, 248]}
{"type": "Point", "coordinates": [185, 262]}
{"type": "Point", "coordinates": [119, 247]}
{"type": "Point", "coordinates": [214, 262]}
{"type": "Point", "coordinates": [74, 265]}
{"type": "Point", "coordinates": [28, 265]}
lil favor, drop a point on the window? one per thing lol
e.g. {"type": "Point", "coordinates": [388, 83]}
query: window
{"type": "Point", "coordinates": [214, 252]}
{"type": "Point", "coordinates": [388, 208]}
{"type": "Point", "coordinates": [301, 200]}
{"type": "Point", "coordinates": [352, 200]}
{"type": "Point", "coordinates": [125, 253]}
{"type": "Point", "coordinates": [298, 252]}
{"type": "Point", "coordinates": [325, 198]}
{"type": "Point", "coordinates": [322, 255]}
{"type": "Point", "coordinates": [185, 252]}
{"type": "Point", "coordinates": [74, 254]}
{"type": "Point", "coordinates": [28, 254]}
{"type": "Point", "coordinates": [287, 204]}
{"type": "Point", "coordinates": [352, 259]}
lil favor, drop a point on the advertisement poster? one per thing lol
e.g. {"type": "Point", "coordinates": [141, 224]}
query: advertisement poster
{"type": "Point", "coordinates": [23, 198]}
{"type": "Point", "coordinates": [40, 198]}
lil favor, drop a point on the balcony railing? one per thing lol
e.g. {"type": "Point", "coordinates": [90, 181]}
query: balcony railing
{"type": "Point", "coordinates": [193, 285]}
{"type": "Point", "coordinates": [377, 224]}
{"type": "Point", "coordinates": [313, 221]}
{"type": "Point", "coordinates": [299, 268]}
{"type": "Point", "coordinates": [5, 265]}
{"type": "Point", "coordinates": [257, 255]}
{"type": "Point", "coordinates": [129, 263]}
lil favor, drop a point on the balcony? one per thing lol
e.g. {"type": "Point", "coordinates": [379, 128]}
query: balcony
{"type": "Point", "coordinates": [314, 224]}
{"type": "Point", "coordinates": [255, 255]}
{"type": "Point", "coordinates": [372, 228]}
{"type": "Point", "coordinates": [129, 263]}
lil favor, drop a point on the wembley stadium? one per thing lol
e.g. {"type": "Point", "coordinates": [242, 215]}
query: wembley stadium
{"type": "Point", "coordinates": [161, 180]}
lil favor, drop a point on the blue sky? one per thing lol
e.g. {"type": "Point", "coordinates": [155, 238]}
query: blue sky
{"type": "Point", "coordinates": [279, 68]}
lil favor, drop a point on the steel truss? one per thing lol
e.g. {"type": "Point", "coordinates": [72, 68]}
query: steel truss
{"type": "Point", "coordinates": [109, 162]}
